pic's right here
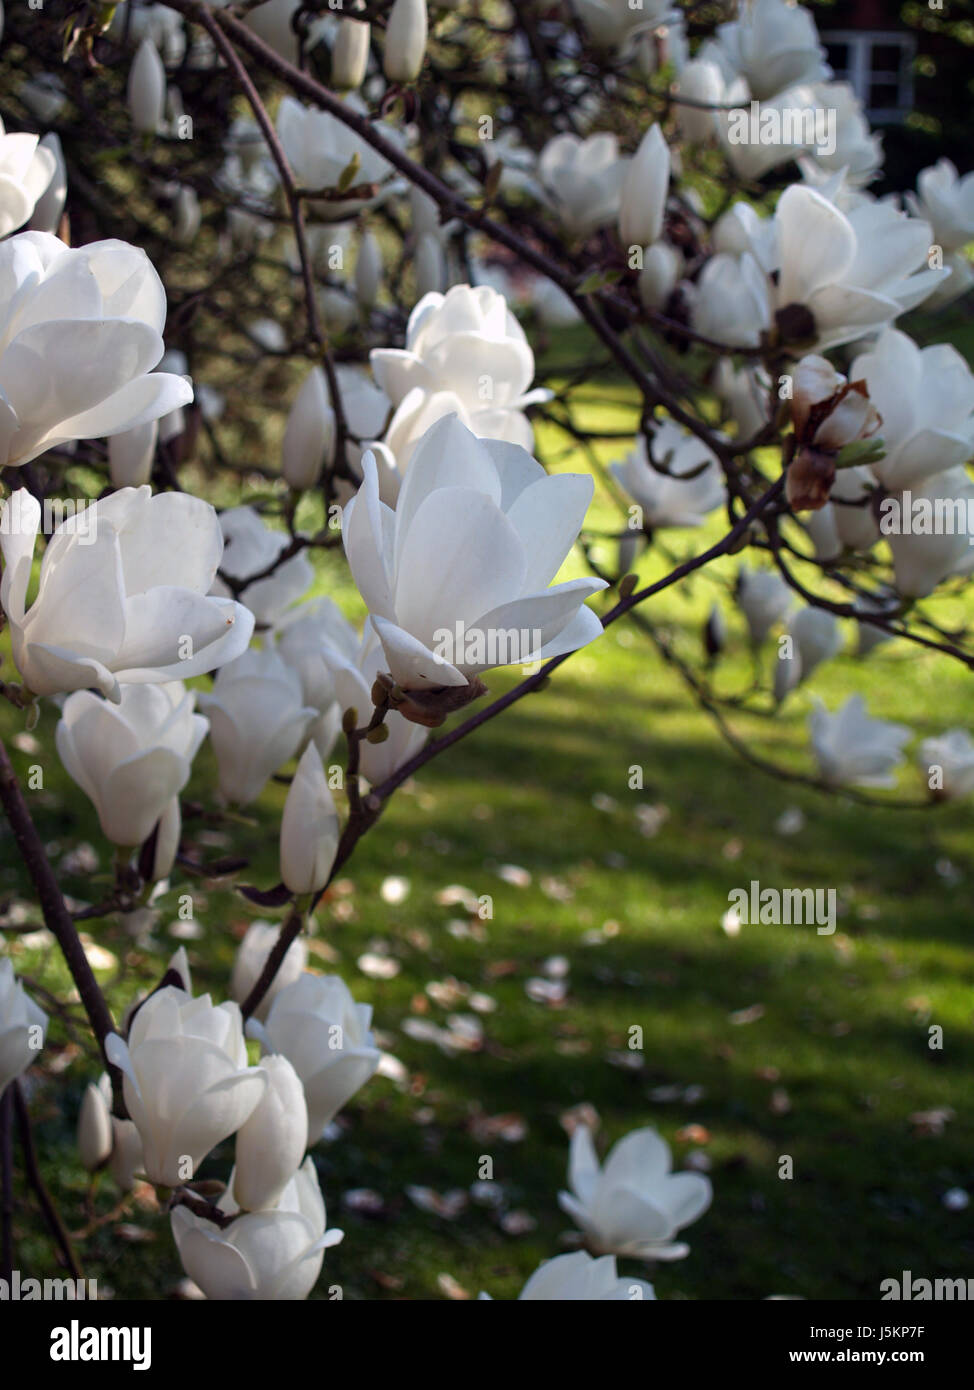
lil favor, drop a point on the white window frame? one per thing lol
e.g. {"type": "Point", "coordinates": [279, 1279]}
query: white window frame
{"type": "Point", "coordinates": [861, 74]}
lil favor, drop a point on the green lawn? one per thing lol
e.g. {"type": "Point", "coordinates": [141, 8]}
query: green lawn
{"type": "Point", "coordinates": [832, 1071]}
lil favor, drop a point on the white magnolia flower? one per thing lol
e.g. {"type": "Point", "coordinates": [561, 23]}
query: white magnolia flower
{"type": "Point", "coordinates": [930, 550]}
{"type": "Point", "coordinates": [107, 610]}
{"type": "Point", "coordinates": [854, 750]}
{"type": "Point", "coordinates": [23, 1027]}
{"type": "Point", "coordinates": [262, 1255]}
{"type": "Point", "coordinates": [251, 958]}
{"type": "Point", "coordinates": [310, 638]}
{"type": "Point", "coordinates": [634, 1204]}
{"type": "Point", "coordinates": [815, 636]}
{"type": "Point", "coordinates": [325, 1036]}
{"type": "Point", "coordinates": [467, 354]}
{"type": "Point", "coordinates": [772, 44]}
{"type": "Point", "coordinates": [946, 201]}
{"type": "Point", "coordinates": [947, 762]}
{"type": "Point", "coordinates": [478, 533]}
{"type": "Point", "coordinates": [131, 759]}
{"type": "Point", "coordinates": [187, 1085]}
{"type": "Point", "coordinates": [660, 485]}
{"type": "Point", "coordinates": [926, 399]}
{"type": "Point", "coordinates": [26, 170]}
{"type": "Point", "coordinates": [310, 827]}
{"type": "Point", "coordinates": [643, 200]}
{"type": "Point", "coordinates": [615, 23]}
{"type": "Point", "coordinates": [582, 180]}
{"type": "Point", "coordinates": [853, 271]}
{"type": "Point", "coordinates": [858, 152]}
{"type": "Point", "coordinates": [257, 721]}
{"type": "Point", "coordinates": [319, 148]}
{"type": "Point", "coordinates": [250, 549]}
{"type": "Point", "coordinates": [80, 332]}
{"type": "Point", "coordinates": [270, 1144]}
{"type": "Point", "coordinates": [764, 598]}
{"type": "Point", "coordinates": [700, 88]}
{"type": "Point", "coordinates": [354, 674]}
{"type": "Point", "coordinates": [580, 1276]}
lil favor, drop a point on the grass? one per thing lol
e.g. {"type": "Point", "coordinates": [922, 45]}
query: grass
{"type": "Point", "coordinates": [830, 1071]}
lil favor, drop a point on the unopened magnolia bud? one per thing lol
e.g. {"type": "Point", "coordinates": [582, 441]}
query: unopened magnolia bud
{"type": "Point", "coordinates": [127, 1158]}
{"type": "Point", "coordinates": [350, 53]}
{"type": "Point", "coordinates": [406, 34]}
{"type": "Point", "coordinates": [94, 1129]}
{"type": "Point", "coordinates": [309, 436]}
{"type": "Point", "coordinates": [309, 827]}
{"type": "Point", "coordinates": [644, 192]}
{"type": "Point", "coordinates": [147, 89]}
{"type": "Point", "coordinates": [186, 215]}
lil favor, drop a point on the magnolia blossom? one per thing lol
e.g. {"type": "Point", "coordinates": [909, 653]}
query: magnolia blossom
{"type": "Point", "coordinates": [634, 1204]}
{"type": "Point", "coordinates": [257, 721]}
{"type": "Point", "coordinates": [764, 598]}
{"type": "Point", "coordinates": [271, 1143]}
{"type": "Point", "coordinates": [251, 958]}
{"type": "Point", "coordinates": [325, 1036]}
{"type": "Point", "coordinates": [814, 636]}
{"type": "Point", "coordinates": [701, 87]}
{"type": "Point", "coordinates": [579, 1276]}
{"type": "Point", "coordinates": [662, 265]}
{"type": "Point", "coordinates": [946, 201]}
{"type": "Point", "coordinates": [820, 274]}
{"type": "Point", "coordinates": [465, 560]}
{"type": "Point", "coordinates": [107, 610]}
{"type": "Point", "coordinates": [466, 354]}
{"type": "Point", "coordinates": [310, 827]}
{"type": "Point", "coordinates": [23, 1026]}
{"type": "Point", "coordinates": [350, 52]}
{"type": "Point", "coordinates": [187, 1085]}
{"type": "Point", "coordinates": [772, 44]}
{"type": "Point", "coordinates": [131, 759]}
{"type": "Point", "coordinates": [852, 271]}
{"type": "Point", "coordinates": [26, 171]}
{"type": "Point", "coordinates": [854, 750]}
{"type": "Point", "coordinates": [745, 392]}
{"type": "Point", "coordinates": [319, 148]}
{"type": "Point", "coordinates": [80, 332]}
{"type": "Point", "coordinates": [947, 763]}
{"type": "Point", "coordinates": [582, 180]}
{"type": "Point", "coordinates": [274, 1254]}
{"type": "Point", "coordinates": [926, 399]}
{"type": "Point", "coordinates": [354, 674]}
{"type": "Point", "coordinates": [660, 484]}
{"type": "Point", "coordinates": [251, 548]}
{"type": "Point", "coordinates": [147, 89]}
